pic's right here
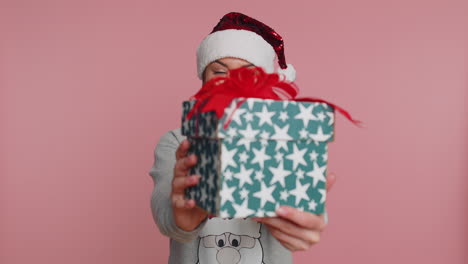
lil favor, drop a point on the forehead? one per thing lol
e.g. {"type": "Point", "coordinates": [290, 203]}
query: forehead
{"type": "Point", "coordinates": [230, 61]}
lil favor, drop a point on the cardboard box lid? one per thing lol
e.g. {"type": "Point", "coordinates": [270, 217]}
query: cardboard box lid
{"type": "Point", "coordinates": [264, 119]}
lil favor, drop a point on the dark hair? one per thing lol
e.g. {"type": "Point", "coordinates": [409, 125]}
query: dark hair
{"type": "Point", "coordinates": [203, 75]}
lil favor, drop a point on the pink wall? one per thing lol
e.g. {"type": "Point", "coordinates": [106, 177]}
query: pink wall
{"type": "Point", "coordinates": [88, 87]}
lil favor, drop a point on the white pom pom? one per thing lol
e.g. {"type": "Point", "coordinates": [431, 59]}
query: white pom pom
{"type": "Point", "coordinates": [289, 73]}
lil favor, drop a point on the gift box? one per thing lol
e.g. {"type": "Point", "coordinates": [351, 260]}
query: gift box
{"type": "Point", "coordinates": [271, 153]}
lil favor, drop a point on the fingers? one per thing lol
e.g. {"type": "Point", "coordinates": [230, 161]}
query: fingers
{"type": "Point", "coordinates": [303, 219]}
{"type": "Point", "coordinates": [331, 178]}
{"type": "Point", "coordinates": [182, 149]}
{"type": "Point", "coordinates": [183, 162]}
{"type": "Point", "coordinates": [180, 183]}
{"type": "Point", "coordinates": [295, 243]}
{"type": "Point", "coordinates": [183, 165]}
{"type": "Point", "coordinates": [178, 196]}
{"type": "Point", "coordinates": [291, 229]}
{"type": "Point", "coordinates": [295, 229]}
{"type": "Point", "coordinates": [179, 202]}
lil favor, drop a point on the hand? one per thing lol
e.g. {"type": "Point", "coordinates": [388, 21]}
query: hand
{"type": "Point", "coordinates": [187, 215]}
{"type": "Point", "coordinates": [295, 229]}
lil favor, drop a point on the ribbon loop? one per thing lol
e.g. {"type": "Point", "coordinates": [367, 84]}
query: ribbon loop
{"type": "Point", "coordinates": [218, 93]}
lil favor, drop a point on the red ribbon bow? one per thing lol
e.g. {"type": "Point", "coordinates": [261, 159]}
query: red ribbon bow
{"type": "Point", "coordinates": [217, 93]}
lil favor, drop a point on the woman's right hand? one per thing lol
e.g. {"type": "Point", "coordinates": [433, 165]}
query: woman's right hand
{"type": "Point", "coordinates": [187, 215]}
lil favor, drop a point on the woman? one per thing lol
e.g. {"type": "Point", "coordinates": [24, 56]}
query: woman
{"type": "Point", "coordinates": [236, 41]}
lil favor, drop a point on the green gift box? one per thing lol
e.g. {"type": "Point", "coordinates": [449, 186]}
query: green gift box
{"type": "Point", "coordinates": [272, 153]}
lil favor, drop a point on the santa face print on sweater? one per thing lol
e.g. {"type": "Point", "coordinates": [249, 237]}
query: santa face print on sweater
{"type": "Point", "coordinates": [230, 241]}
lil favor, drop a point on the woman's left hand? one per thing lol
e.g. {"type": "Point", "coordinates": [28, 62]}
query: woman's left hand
{"type": "Point", "coordinates": [295, 229]}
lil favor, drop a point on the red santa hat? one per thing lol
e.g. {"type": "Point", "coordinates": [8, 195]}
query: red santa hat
{"type": "Point", "coordinates": [237, 35]}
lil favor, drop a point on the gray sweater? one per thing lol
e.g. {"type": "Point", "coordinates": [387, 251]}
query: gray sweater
{"type": "Point", "coordinates": [215, 240]}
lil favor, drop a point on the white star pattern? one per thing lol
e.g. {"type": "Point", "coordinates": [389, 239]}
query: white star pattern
{"type": "Point", "coordinates": [210, 181]}
{"type": "Point", "coordinates": [226, 193]}
{"type": "Point", "coordinates": [224, 214]}
{"type": "Point", "coordinates": [281, 133]}
{"type": "Point", "coordinates": [248, 117]}
{"type": "Point", "coordinates": [236, 117]}
{"type": "Point", "coordinates": [325, 156]}
{"type": "Point", "coordinates": [244, 141]}
{"type": "Point", "coordinates": [244, 176]}
{"type": "Point", "coordinates": [243, 193]}
{"type": "Point", "coordinates": [231, 132]}
{"type": "Point", "coordinates": [208, 121]}
{"type": "Point", "coordinates": [317, 174]}
{"type": "Point", "coordinates": [312, 205]}
{"type": "Point", "coordinates": [273, 213]}
{"type": "Point", "coordinates": [265, 135]}
{"type": "Point", "coordinates": [243, 157]}
{"type": "Point", "coordinates": [331, 115]}
{"type": "Point", "coordinates": [278, 174]}
{"type": "Point", "coordinates": [248, 135]}
{"type": "Point", "coordinates": [281, 136]}
{"type": "Point", "coordinates": [281, 144]}
{"type": "Point", "coordinates": [303, 133]}
{"type": "Point", "coordinates": [243, 210]}
{"type": "Point", "coordinates": [260, 157]}
{"type": "Point", "coordinates": [192, 192]}
{"type": "Point", "coordinates": [203, 160]}
{"type": "Point", "coordinates": [279, 156]}
{"type": "Point", "coordinates": [297, 157]}
{"type": "Point", "coordinates": [203, 195]}
{"type": "Point", "coordinates": [321, 116]}
{"type": "Point", "coordinates": [265, 116]}
{"type": "Point", "coordinates": [268, 101]}
{"type": "Point", "coordinates": [260, 212]}
{"type": "Point", "coordinates": [306, 114]}
{"type": "Point", "coordinates": [227, 157]}
{"type": "Point", "coordinates": [229, 140]}
{"type": "Point", "coordinates": [249, 132]}
{"type": "Point", "coordinates": [313, 155]}
{"type": "Point", "coordinates": [323, 192]}
{"type": "Point", "coordinates": [250, 102]}
{"type": "Point", "coordinates": [283, 116]}
{"type": "Point", "coordinates": [265, 194]}
{"type": "Point", "coordinates": [228, 175]}
{"type": "Point", "coordinates": [263, 150]}
{"type": "Point", "coordinates": [284, 195]}
{"type": "Point", "coordinates": [300, 174]}
{"type": "Point", "coordinates": [300, 192]}
{"type": "Point", "coordinates": [259, 175]}
{"type": "Point", "coordinates": [320, 136]}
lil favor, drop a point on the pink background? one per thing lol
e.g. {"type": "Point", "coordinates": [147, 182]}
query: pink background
{"type": "Point", "coordinates": [88, 88]}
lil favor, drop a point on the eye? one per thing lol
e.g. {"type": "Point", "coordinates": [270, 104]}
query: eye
{"type": "Point", "coordinates": [234, 240]}
{"type": "Point", "coordinates": [219, 72]}
{"type": "Point", "coordinates": [220, 241]}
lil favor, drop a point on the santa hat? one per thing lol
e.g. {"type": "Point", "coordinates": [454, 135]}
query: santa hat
{"type": "Point", "coordinates": [237, 35]}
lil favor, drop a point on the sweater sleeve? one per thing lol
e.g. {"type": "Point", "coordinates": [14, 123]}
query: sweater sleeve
{"type": "Point", "coordinates": [162, 174]}
{"type": "Point", "coordinates": [325, 217]}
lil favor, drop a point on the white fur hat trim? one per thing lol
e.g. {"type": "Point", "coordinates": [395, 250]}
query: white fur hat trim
{"type": "Point", "coordinates": [235, 43]}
